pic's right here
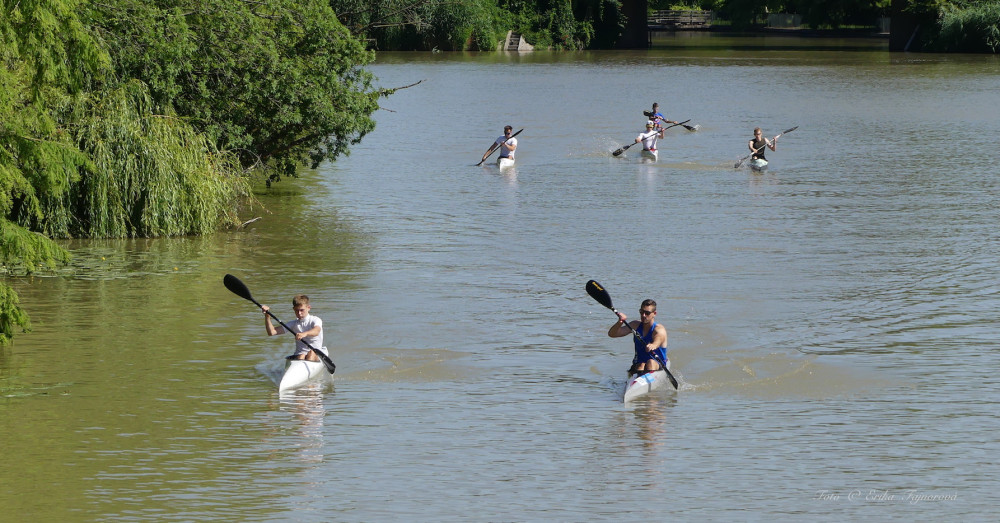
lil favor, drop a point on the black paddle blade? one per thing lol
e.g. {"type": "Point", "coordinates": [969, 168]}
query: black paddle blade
{"type": "Point", "coordinates": [618, 152]}
{"type": "Point", "coordinates": [236, 286]}
{"type": "Point", "coordinates": [786, 131]}
{"type": "Point", "coordinates": [597, 292]}
{"type": "Point", "coordinates": [648, 114]}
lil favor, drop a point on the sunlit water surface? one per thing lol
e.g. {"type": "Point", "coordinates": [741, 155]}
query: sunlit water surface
{"type": "Point", "coordinates": [832, 321]}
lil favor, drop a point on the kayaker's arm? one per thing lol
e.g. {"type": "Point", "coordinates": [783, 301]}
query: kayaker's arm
{"type": "Point", "coordinates": [493, 147]}
{"type": "Point", "coordinates": [619, 329]}
{"type": "Point", "coordinates": [311, 332]}
{"type": "Point", "coordinates": [271, 329]}
{"type": "Point", "coordinates": [659, 338]}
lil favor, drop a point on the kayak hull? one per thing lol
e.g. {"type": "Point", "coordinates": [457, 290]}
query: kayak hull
{"type": "Point", "coordinates": [299, 373]}
{"type": "Point", "coordinates": [646, 383]}
{"type": "Point", "coordinates": [504, 163]}
{"type": "Point", "coordinates": [758, 164]}
{"type": "Point", "coordinates": [649, 155]}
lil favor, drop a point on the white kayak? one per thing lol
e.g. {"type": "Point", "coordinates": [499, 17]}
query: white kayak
{"type": "Point", "coordinates": [646, 383]}
{"type": "Point", "coordinates": [302, 372]}
{"type": "Point", "coordinates": [503, 163]}
{"type": "Point", "coordinates": [758, 164]}
{"type": "Point", "coordinates": [652, 155]}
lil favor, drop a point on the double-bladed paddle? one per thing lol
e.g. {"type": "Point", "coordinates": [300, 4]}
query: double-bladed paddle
{"type": "Point", "coordinates": [596, 291]}
{"type": "Point", "coordinates": [619, 152]}
{"type": "Point", "coordinates": [495, 147]}
{"type": "Point", "coordinates": [238, 288]}
{"type": "Point", "coordinates": [747, 157]}
{"type": "Point", "coordinates": [692, 128]}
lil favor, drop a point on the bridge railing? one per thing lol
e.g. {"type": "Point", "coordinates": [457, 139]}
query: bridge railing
{"type": "Point", "coordinates": [670, 19]}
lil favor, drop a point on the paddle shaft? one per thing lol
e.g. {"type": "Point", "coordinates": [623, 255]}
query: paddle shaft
{"type": "Point", "coordinates": [237, 287]}
{"type": "Point", "coordinates": [623, 149]}
{"type": "Point", "coordinates": [496, 147]}
{"type": "Point", "coordinates": [596, 291]}
{"type": "Point", "coordinates": [761, 148]}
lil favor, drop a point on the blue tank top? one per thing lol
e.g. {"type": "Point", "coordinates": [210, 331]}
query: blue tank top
{"type": "Point", "coordinates": [640, 347]}
{"type": "Point", "coordinates": [641, 354]}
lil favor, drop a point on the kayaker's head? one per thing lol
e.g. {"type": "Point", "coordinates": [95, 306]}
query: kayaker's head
{"type": "Point", "coordinates": [300, 304]}
{"type": "Point", "coordinates": [656, 107]}
{"type": "Point", "coordinates": [507, 129]}
{"type": "Point", "coordinates": [647, 311]}
{"type": "Point", "coordinates": [757, 132]}
{"type": "Point", "coordinates": [649, 125]}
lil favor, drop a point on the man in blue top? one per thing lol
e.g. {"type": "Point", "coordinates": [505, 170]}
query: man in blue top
{"type": "Point", "coordinates": [657, 117]}
{"type": "Point", "coordinates": [651, 352]}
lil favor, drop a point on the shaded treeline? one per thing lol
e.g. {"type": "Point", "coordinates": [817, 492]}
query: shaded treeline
{"type": "Point", "coordinates": [138, 118]}
{"type": "Point", "coordinates": [481, 25]}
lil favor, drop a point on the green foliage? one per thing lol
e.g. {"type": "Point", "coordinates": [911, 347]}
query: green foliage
{"type": "Point", "coordinates": [87, 151]}
{"type": "Point", "coordinates": [481, 24]}
{"type": "Point", "coordinates": [279, 83]}
{"type": "Point", "coordinates": [461, 26]}
{"type": "Point", "coordinates": [423, 24]}
{"type": "Point", "coordinates": [22, 250]}
{"type": "Point", "coordinates": [837, 13]}
{"type": "Point", "coordinates": [12, 316]}
{"type": "Point", "coordinates": [47, 56]}
{"type": "Point", "coordinates": [744, 13]}
{"type": "Point", "coordinates": [151, 175]}
{"type": "Point", "coordinates": [682, 5]}
{"type": "Point", "coordinates": [51, 42]}
{"type": "Point", "coordinates": [566, 24]}
{"type": "Point", "coordinates": [975, 29]}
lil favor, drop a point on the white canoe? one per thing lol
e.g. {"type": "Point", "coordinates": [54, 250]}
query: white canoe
{"type": "Point", "coordinates": [652, 155]}
{"type": "Point", "coordinates": [758, 164]}
{"type": "Point", "coordinates": [646, 383]}
{"type": "Point", "coordinates": [302, 372]}
{"type": "Point", "coordinates": [503, 163]}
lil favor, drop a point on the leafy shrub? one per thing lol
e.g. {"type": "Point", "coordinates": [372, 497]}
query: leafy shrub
{"type": "Point", "coordinates": [975, 29]}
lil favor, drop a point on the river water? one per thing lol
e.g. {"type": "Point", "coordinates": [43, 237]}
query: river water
{"type": "Point", "coordinates": [831, 320]}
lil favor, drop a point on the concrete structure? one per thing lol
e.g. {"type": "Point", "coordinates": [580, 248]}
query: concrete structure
{"type": "Point", "coordinates": [515, 43]}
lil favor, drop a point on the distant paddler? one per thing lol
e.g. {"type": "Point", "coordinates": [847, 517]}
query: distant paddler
{"type": "Point", "coordinates": [757, 144]}
{"type": "Point", "coordinates": [659, 120]}
{"type": "Point", "coordinates": [657, 117]}
{"type": "Point", "coordinates": [649, 139]}
{"type": "Point", "coordinates": [507, 144]}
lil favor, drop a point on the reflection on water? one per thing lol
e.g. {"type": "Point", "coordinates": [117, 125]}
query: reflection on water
{"type": "Point", "coordinates": [306, 405]}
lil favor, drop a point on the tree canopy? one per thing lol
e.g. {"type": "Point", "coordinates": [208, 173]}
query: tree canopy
{"type": "Point", "coordinates": [133, 118]}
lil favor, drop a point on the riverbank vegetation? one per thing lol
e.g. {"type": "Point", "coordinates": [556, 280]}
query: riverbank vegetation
{"type": "Point", "coordinates": [964, 26]}
{"type": "Point", "coordinates": [130, 118]}
{"type": "Point", "coordinates": [481, 25]}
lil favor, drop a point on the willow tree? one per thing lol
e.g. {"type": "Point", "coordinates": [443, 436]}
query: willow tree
{"type": "Point", "coordinates": [47, 57]}
{"type": "Point", "coordinates": [279, 83]}
{"type": "Point", "coordinates": [84, 153]}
